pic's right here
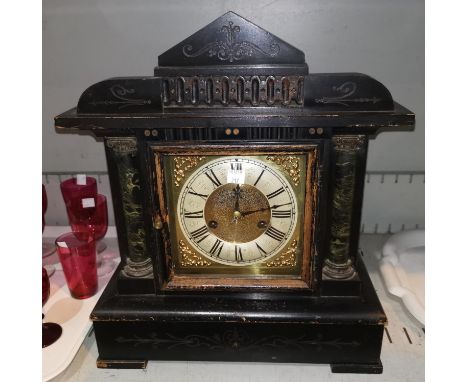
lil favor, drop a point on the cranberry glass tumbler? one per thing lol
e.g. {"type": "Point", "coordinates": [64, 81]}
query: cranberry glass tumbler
{"type": "Point", "coordinates": [78, 188]}
{"type": "Point", "coordinates": [78, 259]}
{"type": "Point", "coordinates": [88, 217]}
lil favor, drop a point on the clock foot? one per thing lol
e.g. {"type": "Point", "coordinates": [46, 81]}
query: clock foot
{"type": "Point", "coordinates": [121, 364]}
{"type": "Point", "coordinates": [367, 368]}
{"type": "Point", "coordinates": [340, 280]}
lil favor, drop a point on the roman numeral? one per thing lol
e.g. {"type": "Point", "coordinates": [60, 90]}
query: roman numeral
{"type": "Point", "coordinates": [281, 214]}
{"type": "Point", "coordinates": [238, 253]}
{"type": "Point", "coordinates": [275, 193]}
{"type": "Point", "coordinates": [261, 250]}
{"type": "Point", "coordinates": [217, 247]}
{"type": "Point", "coordinates": [236, 166]}
{"type": "Point", "coordinates": [201, 233]}
{"type": "Point", "coordinates": [203, 196]}
{"type": "Point", "coordinates": [193, 215]}
{"type": "Point", "coordinates": [258, 179]}
{"type": "Point", "coordinates": [213, 178]}
{"type": "Point", "coordinates": [275, 233]}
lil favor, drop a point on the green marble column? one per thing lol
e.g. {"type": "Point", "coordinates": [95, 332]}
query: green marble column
{"type": "Point", "coordinates": [122, 156]}
{"type": "Point", "coordinates": [338, 264]}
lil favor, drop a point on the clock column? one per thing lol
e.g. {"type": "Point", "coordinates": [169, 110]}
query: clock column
{"type": "Point", "coordinates": [122, 160]}
{"type": "Point", "coordinates": [348, 182]}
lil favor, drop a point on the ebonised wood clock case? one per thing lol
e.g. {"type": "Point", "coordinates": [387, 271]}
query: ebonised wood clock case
{"type": "Point", "coordinates": [233, 84]}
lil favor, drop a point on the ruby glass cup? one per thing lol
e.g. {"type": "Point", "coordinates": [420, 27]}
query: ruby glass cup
{"type": "Point", "coordinates": [78, 259]}
{"type": "Point", "coordinates": [51, 332]}
{"type": "Point", "coordinates": [72, 189]}
{"type": "Point", "coordinates": [88, 217]}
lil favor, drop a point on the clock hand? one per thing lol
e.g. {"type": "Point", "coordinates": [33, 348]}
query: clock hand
{"type": "Point", "coordinates": [237, 213]}
{"type": "Point", "coordinates": [264, 209]}
{"type": "Point", "coordinates": [237, 193]}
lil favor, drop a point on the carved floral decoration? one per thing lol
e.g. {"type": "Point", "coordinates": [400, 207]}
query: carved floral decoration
{"type": "Point", "coordinates": [230, 49]}
{"type": "Point", "coordinates": [344, 93]}
{"type": "Point", "coordinates": [236, 339]}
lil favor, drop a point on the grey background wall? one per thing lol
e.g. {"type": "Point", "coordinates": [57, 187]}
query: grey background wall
{"type": "Point", "coordinates": [89, 40]}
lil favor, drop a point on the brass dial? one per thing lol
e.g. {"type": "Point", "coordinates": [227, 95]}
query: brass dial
{"type": "Point", "coordinates": [228, 223]}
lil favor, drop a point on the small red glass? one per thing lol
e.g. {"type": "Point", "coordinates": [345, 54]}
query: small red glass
{"type": "Point", "coordinates": [76, 189]}
{"type": "Point", "coordinates": [88, 217]}
{"type": "Point", "coordinates": [78, 259]}
{"type": "Point", "coordinates": [72, 190]}
{"type": "Point", "coordinates": [51, 332]}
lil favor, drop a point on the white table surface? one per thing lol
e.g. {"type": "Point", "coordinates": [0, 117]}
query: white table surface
{"type": "Point", "coordinates": [402, 360]}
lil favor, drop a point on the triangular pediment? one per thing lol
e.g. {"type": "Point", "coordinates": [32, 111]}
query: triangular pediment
{"type": "Point", "coordinates": [231, 40]}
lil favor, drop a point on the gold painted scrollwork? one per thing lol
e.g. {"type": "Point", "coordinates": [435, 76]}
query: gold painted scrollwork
{"type": "Point", "coordinates": [123, 153]}
{"type": "Point", "coordinates": [190, 258]}
{"type": "Point", "coordinates": [182, 165]}
{"type": "Point", "coordinates": [290, 164]}
{"type": "Point", "coordinates": [286, 259]}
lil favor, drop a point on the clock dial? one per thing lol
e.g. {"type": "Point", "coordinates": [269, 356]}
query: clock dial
{"type": "Point", "coordinates": [237, 210]}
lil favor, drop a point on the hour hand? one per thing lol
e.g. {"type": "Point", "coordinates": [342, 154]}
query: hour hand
{"type": "Point", "coordinates": [237, 213]}
{"type": "Point", "coordinates": [237, 191]}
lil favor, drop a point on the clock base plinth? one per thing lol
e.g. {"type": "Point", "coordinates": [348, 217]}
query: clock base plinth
{"type": "Point", "coordinates": [345, 332]}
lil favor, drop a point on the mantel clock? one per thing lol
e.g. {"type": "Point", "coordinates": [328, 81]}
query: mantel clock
{"type": "Point", "coordinates": [237, 180]}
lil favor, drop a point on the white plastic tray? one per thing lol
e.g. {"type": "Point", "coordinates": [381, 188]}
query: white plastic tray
{"type": "Point", "coordinates": [70, 313]}
{"type": "Point", "coordinates": [402, 268]}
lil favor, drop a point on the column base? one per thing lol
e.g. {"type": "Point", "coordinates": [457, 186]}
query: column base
{"type": "Point", "coordinates": [138, 269]}
{"type": "Point", "coordinates": [336, 271]}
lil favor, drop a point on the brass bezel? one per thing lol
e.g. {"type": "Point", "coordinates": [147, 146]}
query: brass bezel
{"type": "Point", "coordinates": [299, 276]}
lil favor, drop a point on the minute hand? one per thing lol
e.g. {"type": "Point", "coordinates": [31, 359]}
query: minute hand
{"type": "Point", "coordinates": [264, 209]}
